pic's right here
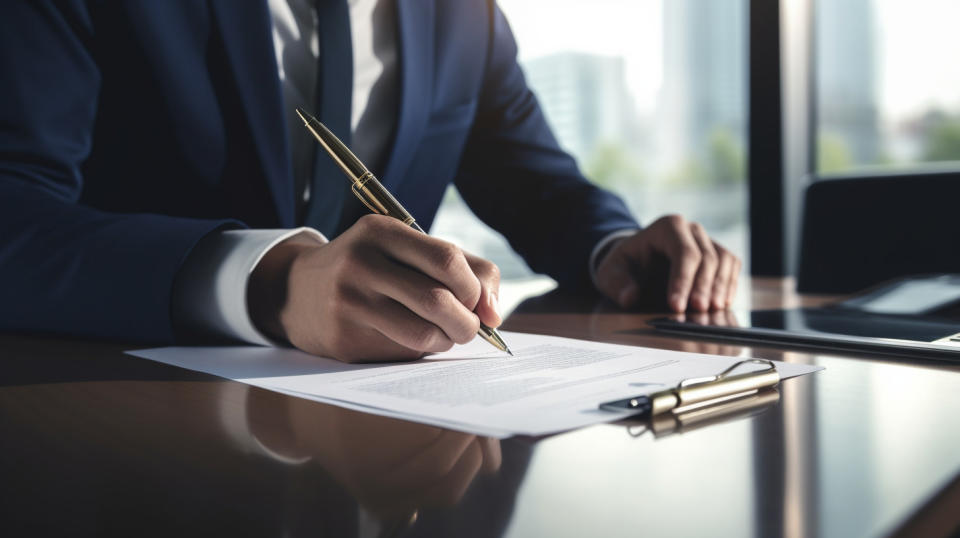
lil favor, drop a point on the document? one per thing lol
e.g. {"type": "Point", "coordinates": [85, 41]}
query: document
{"type": "Point", "coordinates": [552, 384]}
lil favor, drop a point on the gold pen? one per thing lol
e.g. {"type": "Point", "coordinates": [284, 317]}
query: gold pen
{"type": "Point", "coordinates": [373, 195]}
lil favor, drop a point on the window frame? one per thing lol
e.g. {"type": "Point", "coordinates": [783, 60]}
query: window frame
{"type": "Point", "coordinates": [781, 139]}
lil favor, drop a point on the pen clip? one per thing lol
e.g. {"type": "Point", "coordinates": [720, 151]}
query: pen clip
{"type": "Point", "coordinates": [693, 393]}
{"type": "Point", "coordinates": [687, 383]}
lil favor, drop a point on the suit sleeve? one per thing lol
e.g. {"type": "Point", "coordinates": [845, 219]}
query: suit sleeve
{"type": "Point", "coordinates": [66, 267]}
{"type": "Point", "coordinates": [516, 178]}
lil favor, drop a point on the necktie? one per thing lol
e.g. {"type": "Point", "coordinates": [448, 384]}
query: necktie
{"type": "Point", "coordinates": [334, 96]}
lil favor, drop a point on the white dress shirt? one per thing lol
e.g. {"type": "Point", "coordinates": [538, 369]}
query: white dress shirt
{"type": "Point", "coordinates": [211, 293]}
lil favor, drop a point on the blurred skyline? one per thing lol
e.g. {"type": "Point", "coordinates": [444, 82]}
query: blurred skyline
{"type": "Point", "coordinates": [915, 56]}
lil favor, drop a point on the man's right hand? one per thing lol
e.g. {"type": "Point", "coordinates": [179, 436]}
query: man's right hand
{"type": "Point", "coordinates": [380, 291]}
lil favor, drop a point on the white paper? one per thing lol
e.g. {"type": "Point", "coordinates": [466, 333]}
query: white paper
{"type": "Point", "coordinates": [552, 384]}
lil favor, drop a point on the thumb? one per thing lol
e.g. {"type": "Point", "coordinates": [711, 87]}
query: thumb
{"type": "Point", "coordinates": [615, 276]}
{"type": "Point", "coordinates": [488, 274]}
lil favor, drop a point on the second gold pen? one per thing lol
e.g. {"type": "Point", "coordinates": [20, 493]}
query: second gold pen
{"type": "Point", "coordinates": [373, 195]}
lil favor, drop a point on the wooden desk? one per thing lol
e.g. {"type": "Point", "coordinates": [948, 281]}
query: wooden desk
{"type": "Point", "coordinates": [96, 442]}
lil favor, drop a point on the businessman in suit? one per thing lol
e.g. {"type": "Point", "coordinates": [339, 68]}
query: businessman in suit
{"type": "Point", "coordinates": [154, 185]}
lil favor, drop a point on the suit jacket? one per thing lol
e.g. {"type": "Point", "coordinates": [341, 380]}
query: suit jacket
{"type": "Point", "coordinates": [130, 130]}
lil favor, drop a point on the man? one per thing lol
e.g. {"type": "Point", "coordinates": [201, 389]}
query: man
{"type": "Point", "coordinates": [140, 140]}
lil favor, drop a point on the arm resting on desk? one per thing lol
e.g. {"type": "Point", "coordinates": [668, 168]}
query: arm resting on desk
{"type": "Point", "coordinates": [516, 178]}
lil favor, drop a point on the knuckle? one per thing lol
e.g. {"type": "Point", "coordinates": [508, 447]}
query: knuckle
{"type": "Point", "coordinates": [365, 223]}
{"type": "Point", "coordinates": [448, 257]}
{"type": "Point", "coordinates": [434, 300]}
{"type": "Point", "coordinates": [691, 255]}
{"type": "Point", "coordinates": [489, 271]}
{"type": "Point", "coordinates": [709, 259]}
{"type": "Point", "coordinates": [727, 266]}
{"type": "Point", "coordinates": [675, 221]}
{"type": "Point", "coordinates": [467, 331]}
{"type": "Point", "coordinates": [697, 228]}
{"type": "Point", "coordinates": [371, 222]}
{"type": "Point", "coordinates": [470, 297]}
{"type": "Point", "coordinates": [346, 267]}
{"type": "Point", "coordinates": [425, 337]}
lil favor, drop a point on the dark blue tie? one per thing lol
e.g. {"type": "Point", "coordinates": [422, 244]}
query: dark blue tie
{"type": "Point", "coordinates": [334, 97]}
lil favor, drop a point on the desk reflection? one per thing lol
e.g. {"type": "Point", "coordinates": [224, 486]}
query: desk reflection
{"type": "Point", "coordinates": [179, 462]}
{"type": "Point", "coordinates": [93, 442]}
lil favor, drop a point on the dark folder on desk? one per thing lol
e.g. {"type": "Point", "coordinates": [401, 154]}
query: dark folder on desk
{"type": "Point", "coordinates": [913, 317]}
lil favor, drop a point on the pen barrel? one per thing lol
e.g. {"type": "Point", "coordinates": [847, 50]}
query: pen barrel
{"type": "Point", "coordinates": [734, 386]}
{"type": "Point", "coordinates": [379, 200]}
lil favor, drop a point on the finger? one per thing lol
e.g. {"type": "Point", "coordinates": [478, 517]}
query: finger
{"type": "Point", "coordinates": [718, 318]}
{"type": "Point", "coordinates": [397, 323]}
{"type": "Point", "coordinates": [426, 298]}
{"type": "Point", "coordinates": [731, 319]}
{"type": "Point", "coordinates": [488, 274]}
{"type": "Point", "coordinates": [680, 247]}
{"type": "Point", "coordinates": [433, 462]}
{"type": "Point", "coordinates": [700, 318]}
{"type": "Point", "coordinates": [702, 287]}
{"type": "Point", "coordinates": [450, 489]}
{"type": "Point", "coordinates": [492, 456]}
{"type": "Point", "coordinates": [734, 280]}
{"type": "Point", "coordinates": [438, 259]}
{"type": "Point", "coordinates": [726, 264]}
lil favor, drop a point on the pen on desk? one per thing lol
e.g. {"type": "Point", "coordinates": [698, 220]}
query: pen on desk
{"type": "Point", "coordinates": [373, 195]}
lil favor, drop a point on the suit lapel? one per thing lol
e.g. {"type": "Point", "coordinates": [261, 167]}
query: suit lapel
{"type": "Point", "coordinates": [416, 27]}
{"type": "Point", "coordinates": [246, 30]}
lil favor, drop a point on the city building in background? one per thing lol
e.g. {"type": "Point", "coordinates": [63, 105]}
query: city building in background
{"type": "Point", "coordinates": [585, 99]}
{"type": "Point", "coordinates": [846, 66]}
{"type": "Point", "coordinates": [703, 99]}
{"type": "Point", "coordinates": [887, 85]}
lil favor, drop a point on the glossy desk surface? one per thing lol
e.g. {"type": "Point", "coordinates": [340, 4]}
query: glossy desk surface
{"type": "Point", "coordinates": [95, 442]}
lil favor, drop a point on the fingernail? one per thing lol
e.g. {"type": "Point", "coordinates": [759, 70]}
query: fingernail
{"type": "Point", "coordinates": [494, 307]}
{"type": "Point", "coordinates": [627, 295]}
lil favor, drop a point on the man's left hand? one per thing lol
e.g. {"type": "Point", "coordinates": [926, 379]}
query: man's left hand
{"type": "Point", "coordinates": [700, 274]}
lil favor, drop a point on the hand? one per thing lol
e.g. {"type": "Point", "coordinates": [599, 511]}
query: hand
{"type": "Point", "coordinates": [380, 291]}
{"type": "Point", "coordinates": [671, 256]}
{"type": "Point", "coordinates": [393, 467]}
{"type": "Point", "coordinates": [719, 318]}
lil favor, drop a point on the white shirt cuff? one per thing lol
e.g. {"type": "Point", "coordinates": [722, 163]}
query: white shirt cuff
{"type": "Point", "coordinates": [234, 417]}
{"type": "Point", "coordinates": [602, 246]}
{"type": "Point", "coordinates": [210, 297]}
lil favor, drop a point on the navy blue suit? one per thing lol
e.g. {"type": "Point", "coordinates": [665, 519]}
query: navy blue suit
{"type": "Point", "coordinates": [130, 130]}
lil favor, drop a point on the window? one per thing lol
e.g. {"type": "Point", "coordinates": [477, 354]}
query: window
{"type": "Point", "coordinates": [650, 98]}
{"type": "Point", "coordinates": [888, 85]}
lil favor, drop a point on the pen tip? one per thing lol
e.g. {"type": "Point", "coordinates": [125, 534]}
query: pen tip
{"type": "Point", "coordinates": [510, 352]}
{"type": "Point", "coordinates": [303, 115]}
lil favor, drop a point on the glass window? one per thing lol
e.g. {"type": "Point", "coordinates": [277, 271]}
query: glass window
{"type": "Point", "coordinates": [888, 85]}
{"type": "Point", "coordinates": [650, 98]}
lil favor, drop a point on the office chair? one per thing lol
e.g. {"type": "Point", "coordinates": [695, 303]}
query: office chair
{"type": "Point", "coordinates": [862, 231]}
